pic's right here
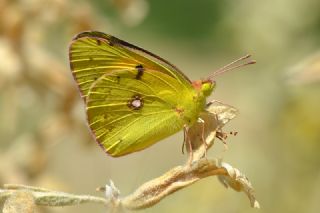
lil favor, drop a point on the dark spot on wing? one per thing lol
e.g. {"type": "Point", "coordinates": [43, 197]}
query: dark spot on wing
{"type": "Point", "coordinates": [98, 42]}
{"type": "Point", "coordinates": [140, 70]}
{"type": "Point", "coordinates": [118, 79]}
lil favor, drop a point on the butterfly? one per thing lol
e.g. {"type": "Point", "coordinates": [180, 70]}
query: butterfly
{"type": "Point", "coordinates": [133, 97]}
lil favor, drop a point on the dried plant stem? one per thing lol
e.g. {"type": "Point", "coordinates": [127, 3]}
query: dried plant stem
{"type": "Point", "coordinates": [145, 196]}
{"type": "Point", "coordinates": [50, 198]}
{"type": "Point", "coordinates": [177, 178]}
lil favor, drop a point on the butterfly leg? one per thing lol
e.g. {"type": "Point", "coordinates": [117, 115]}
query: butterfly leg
{"type": "Point", "coordinates": [202, 122]}
{"type": "Point", "coordinates": [185, 136]}
{"type": "Point", "coordinates": [187, 140]}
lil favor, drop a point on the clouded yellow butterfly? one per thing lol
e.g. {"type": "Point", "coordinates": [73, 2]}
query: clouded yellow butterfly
{"type": "Point", "coordinates": [134, 98]}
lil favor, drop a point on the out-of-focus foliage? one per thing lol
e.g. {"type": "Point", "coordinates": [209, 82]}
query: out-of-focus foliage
{"type": "Point", "coordinates": [44, 138]}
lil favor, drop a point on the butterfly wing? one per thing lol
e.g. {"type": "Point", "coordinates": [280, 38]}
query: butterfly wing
{"type": "Point", "coordinates": [133, 97]}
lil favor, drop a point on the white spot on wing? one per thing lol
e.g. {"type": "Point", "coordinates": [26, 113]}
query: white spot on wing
{"type": "Point", "coordinates": [136, 103]}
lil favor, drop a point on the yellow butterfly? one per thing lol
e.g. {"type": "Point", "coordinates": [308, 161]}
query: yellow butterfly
{"type": "Point", "coordinates": [133, 97]}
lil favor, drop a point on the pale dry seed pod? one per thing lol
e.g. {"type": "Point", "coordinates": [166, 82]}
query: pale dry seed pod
{"type": "Point", "coordinates": [216, 115]}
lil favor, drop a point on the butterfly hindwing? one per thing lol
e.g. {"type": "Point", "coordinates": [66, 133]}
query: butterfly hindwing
{"type": "Point", "coordinates": [127, 115]}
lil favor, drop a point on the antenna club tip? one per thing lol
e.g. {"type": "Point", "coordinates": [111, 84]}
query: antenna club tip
{"type": "Point", "coordinates": [247, 56]}
{"type": "Point", "coordinates": [229, 66]}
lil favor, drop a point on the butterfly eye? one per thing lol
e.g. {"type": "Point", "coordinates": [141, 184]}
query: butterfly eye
{"type": "Point", "coordinates": [207, 87]}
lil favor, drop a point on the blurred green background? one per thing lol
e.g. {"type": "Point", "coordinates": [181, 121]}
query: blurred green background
{"type": "Point", "coordinates": [44, 138]}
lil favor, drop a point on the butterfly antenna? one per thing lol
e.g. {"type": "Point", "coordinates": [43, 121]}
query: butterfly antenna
{"type": "Point", "coordinates": [229, 66]}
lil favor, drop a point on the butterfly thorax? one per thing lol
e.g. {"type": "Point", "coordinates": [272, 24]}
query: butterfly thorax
{"type": "Point", "coordinates": [194, 104]}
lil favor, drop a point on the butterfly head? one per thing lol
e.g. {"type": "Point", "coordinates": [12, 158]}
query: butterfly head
{"type": "Point", "coordinates": [206, 87]}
